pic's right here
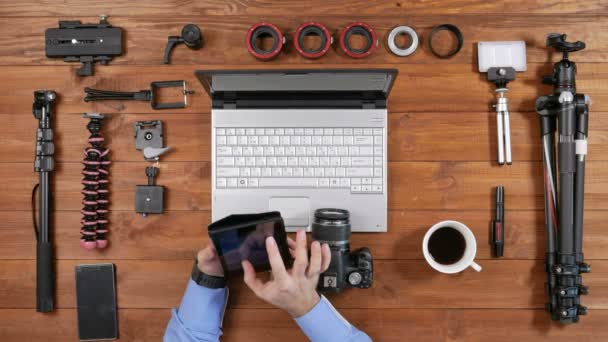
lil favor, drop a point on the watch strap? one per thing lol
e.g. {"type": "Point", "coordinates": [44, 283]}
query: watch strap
{"type": "Point", "coordinates": [206, 280]}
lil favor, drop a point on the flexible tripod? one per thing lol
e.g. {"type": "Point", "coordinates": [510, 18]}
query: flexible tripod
{"type": "Point", "coordinates": [43, 164]}
{"type": "Point", "coordinates": [567, 112]}
{"type": "Point", "coordinates": [95, 187]}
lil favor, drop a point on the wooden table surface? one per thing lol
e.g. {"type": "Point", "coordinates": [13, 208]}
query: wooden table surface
{"type": "Point", "coordinates": [441, 166]}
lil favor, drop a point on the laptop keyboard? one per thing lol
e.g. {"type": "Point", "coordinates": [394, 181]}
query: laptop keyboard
{"type": "Point", "coordinates": [347, 158]}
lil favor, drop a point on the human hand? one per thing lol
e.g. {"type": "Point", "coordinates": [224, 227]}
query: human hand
{"type": "Point", "coordinates": [209, 262]}
{"type": "Point", "coordinates": [295, 290]}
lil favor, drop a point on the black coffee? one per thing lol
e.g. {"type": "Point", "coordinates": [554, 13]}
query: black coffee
{"type": "Point", "coordinates": [447, 245]}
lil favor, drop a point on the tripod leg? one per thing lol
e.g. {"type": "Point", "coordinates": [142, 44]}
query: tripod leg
{"type": "Point", "coordinates": [507, 137]}
{"type": "Point", "coordinates": [500, 137]}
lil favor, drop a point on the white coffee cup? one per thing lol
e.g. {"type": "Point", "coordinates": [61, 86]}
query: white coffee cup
{"type": "Point", "coordinates": [468, 257]}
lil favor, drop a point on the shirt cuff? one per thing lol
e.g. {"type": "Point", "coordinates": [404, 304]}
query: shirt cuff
{"type": "Point", "coordinates": [334, 326]}
{"type": "Point", "coordinates": [202, 309]}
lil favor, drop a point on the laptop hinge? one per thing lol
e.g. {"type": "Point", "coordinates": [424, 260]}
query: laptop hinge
{"type": "Point", "coordinates": [368, 104]}
{"type": "Point", "coordinates": [229, 105]}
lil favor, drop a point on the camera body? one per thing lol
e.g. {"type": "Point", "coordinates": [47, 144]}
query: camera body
{"type": "Point", "coordinates": [347, 269]}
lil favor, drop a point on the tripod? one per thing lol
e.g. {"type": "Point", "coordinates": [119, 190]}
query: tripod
{"type": "Point", "coordinates": [43, 164]}
{"type": "Point", "coordinates": [566, 112]}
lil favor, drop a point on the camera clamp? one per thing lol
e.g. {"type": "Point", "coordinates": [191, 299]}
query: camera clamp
{"type": "Point", "coordinates": [150, 95]}
{"type": "Point", "coordinates": [44, 164]}
{"type": "Point", "coordinates": [149, 198]}
{"type": "Point", "coordinates": [566, 112]}
{"type": "Point", "coordinates": [85, 43]}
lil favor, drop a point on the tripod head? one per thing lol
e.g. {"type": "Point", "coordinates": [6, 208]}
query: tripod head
{"type": "Point", "coordinates": [564, 71]}
{"type": "Point", "coordinates": [43, 102]}
{"type": "Point", "coordinates": [559, 43]}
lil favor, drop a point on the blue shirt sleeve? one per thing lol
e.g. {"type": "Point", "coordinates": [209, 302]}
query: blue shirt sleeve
{"type": "Point", "coordinates": [324, 324]}
{"type": "Point", "coordinates": [199, 317]}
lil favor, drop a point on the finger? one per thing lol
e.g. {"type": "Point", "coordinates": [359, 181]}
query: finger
{"type": "Point", "coordinates": [301, 262]}
{"type": "Point", "coordinates": [315, 259]}
{"type": "Point", "coordinates": [250, 278]}
{"type": "Point", "coordinates": [325, 256]}
{"type": "Point", "coordinates": [276, 261]}
{"type": "Point", "coordinates": [206, 254]}
{"type": "Point", "coordinates": [291, 243]}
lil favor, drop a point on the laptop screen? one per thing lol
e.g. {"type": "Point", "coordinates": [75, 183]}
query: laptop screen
{"type": "Point", "coordinates": [341, 88]}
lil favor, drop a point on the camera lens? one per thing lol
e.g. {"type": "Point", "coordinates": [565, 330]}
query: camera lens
{"type": "Point", "coordinates": [331, 226]}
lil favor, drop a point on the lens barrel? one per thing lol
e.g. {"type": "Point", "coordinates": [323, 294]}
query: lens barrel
{"type": "Point", "coordinates": [331, 226]}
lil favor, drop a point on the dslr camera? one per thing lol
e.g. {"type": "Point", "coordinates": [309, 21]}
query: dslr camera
{"type": "Point", "coordinates": [347, 269]}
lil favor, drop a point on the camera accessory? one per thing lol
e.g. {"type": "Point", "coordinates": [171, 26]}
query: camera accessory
{"type": "Point", "coordinates": [95, 187]}
{"type": "Point", "coordinates": [260, 31]}
{"type": "Point", "coordinates": [566, 112]}
{"type": "Point", "coordinates": [312, 29]}
{"type": "Point", "coordinates": [346, 269]}
{"type": "Point", "coordinates": [142, 95]}
{"type": "Point", "coordinates": [44, 164]}
{"type": "Point", "coordinates": [191, 36]}
{"type": "Point", "coordinates": [358, 29]}
{"type": "Point", "coordinates": [96, 302]}
{"type": "Point", "coordinates": [149, 198]}
{"type": "Point", "coordinates": [149, 139]}
{"type": "Point", "coordinates": [501, 60]}
{"type": "Point", "coordinates": [498, 224]}
{"type": "Point", "coordinates": [454, 30]}
{"type": "Point", "coordinates": [400, 30]}
{"type": "Point", "coordinates": [243, 237]}
{"type": "Point", "coordinates": [85, 43]}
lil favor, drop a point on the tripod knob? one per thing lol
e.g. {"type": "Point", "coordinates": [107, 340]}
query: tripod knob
{"type": "Point", "coordinates": [582, 310]}
{"type": "Point", "coordinates": [548, 80]}
{"type": "Point", "coordinates": [585, 268]}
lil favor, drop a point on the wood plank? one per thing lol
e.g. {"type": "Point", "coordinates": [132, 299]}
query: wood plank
{"type": "Point", "coordinates": [502, 284]}
{"type": "Point", "coordinates": [274, 325]}
{"type": "Point", "coordinates": [159, 8]}
{"type": "Point", "coordinates": [412, 137]}
{"type": "Point", "coordinates": [182, 233]}
{"type": "Point", "coordinates": [438, 87]}
{"type": "Point", "coordinates": [413, 185]}
{"type": "Point", "coordinates": [224, 39]}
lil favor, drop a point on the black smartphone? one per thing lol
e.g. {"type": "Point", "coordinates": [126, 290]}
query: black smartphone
{"type": "Point", "coordinates": [96, 302]}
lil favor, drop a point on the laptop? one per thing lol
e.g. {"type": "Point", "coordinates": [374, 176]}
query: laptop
{"type": "Point", "coordinates": [295, 141]}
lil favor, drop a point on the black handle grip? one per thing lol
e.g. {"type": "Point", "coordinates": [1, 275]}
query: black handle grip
{"type": "Point", "coordinates": [45, 277]}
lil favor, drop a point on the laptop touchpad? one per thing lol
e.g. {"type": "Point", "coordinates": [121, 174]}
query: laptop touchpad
{"type": "Point", "coordinates": [294, 210]}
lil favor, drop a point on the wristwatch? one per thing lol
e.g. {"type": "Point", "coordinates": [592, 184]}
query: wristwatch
{"type": "Point", "coordinates": [206, 280]}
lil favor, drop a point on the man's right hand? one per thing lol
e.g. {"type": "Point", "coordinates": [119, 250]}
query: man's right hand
{"type": "Point", "coordinates": [295, 290]}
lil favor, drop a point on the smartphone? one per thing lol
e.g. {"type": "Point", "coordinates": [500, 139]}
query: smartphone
{"type": "Point", "coordinates": [96, 302]}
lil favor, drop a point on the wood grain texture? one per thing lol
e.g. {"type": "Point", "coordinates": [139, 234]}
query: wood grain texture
{"type": "Point", "coordinates": [441, 151]}
{"type": "Point", "coordinates": [225, 40]}
{"type": "Point", "coordinates": [397, 284]}
{"type": "Point", "coordinates": [431, 88]}
{"type": "Point", "coordinates": [182, 233]}
{"type": "Point", "coordinates": [412, 137]}
{"type": "Point", "coordinates": [393, 325]}
{"type": "Point", "coordinates": [414, 185]}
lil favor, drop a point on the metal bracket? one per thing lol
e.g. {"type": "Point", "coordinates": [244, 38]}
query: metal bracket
{"type": "Point", "coordinates": [149, 139]}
